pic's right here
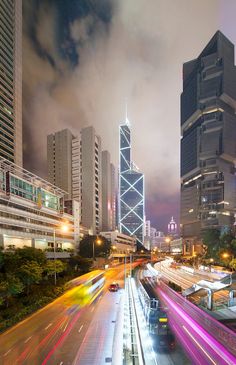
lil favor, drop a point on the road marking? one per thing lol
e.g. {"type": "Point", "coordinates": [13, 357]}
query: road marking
{"type": "Point", "coordinates": [6, 353]}
{"type": "Point", "coordinates": [28, 339]}
{"type": "Point", "coordinates": [48, 326]}
{"type": "Point", "coordinates": [92, 309]}
{"type": "Point", "coordinates": [66, 326]}
{"type": "Point", "coordinates": [81, 328]}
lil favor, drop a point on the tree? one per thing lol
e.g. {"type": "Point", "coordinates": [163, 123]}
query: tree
{"type": "Point", "coordinates": [86, 246]}
{"type": "Point", "coordinates": [30, 273]}
{"type": "Point", "coordinates": [52, 266]}
{"type": "Point", "coordinates": [10, 287]}
{"type": "Point", "coordinates": [232, 264]}
{"type": "Point", "coordinates": [211, 238]}
{"type": "Point", "coordinates": [79, 263]}
{"type": "Point", "coordinates": [31, 254]}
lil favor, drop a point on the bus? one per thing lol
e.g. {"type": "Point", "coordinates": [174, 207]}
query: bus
{"type": "Point", "coordinates": [85, 290]}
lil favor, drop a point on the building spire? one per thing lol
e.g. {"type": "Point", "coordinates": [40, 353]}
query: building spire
{"type": "Point", "coordinates": [126, 113]}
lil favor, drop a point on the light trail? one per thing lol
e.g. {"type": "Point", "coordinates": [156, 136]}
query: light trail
{"type": "Point", "coordinates": [209, 342]}
{"type": "Point", "coordinates": [61, 339]}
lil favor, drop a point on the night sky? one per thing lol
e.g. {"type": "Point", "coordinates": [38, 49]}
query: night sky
{"type": "Point", "coordinates": [83, 59]}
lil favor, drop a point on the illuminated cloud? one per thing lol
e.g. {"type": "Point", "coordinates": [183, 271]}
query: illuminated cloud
{"type": "Point", "coordinates": [79, 70]}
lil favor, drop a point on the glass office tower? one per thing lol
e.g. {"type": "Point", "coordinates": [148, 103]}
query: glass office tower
{"type": "Point", "coordinates": [208, 145]}
{"type": "Point", "coordinates": [11, 80]}
{"type": "Point", "coordinates": [131, 190]}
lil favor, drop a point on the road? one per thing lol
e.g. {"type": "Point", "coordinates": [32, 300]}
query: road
{"type": "Point", "coordinates": [61, 333]}
{"type": "Point", "coordinates": [178, 276]}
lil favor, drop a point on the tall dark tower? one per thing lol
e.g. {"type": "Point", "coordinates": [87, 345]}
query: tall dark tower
{"type": "Point", "coordinates": [208, 145]}
{"type": "Point", "coordinates": [131, 189]}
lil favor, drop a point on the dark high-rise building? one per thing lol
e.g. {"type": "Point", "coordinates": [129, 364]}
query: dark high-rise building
{"type": "Point", "coordinates": [11, 80]}
{"type": "Point", "coordinates": [131, 190]}
{"type": "Point", "coordinates": [208, 145]}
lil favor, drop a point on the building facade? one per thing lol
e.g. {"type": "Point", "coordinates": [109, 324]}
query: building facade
{"type": "Point", "coordinates": [131, 190]}
{"type": "Point", "coordinates": [113, 197]}
{"type": "Point", "coordinates": [11, 80]}
{"type": "Point", "coordinates": [32, 209]}
{"type": "Point", "coordinates": [59, 159]}
{"type": "Point", "coordinates": [87, 178]}
{"type": "Point", "coordinates": [172, 228]}
{"type": "Point", "coordinates": [106, 192]}
{"type": "Point", "coordinates": [121, 244]}
{"type": "Point", "coordinates": [208, 145]}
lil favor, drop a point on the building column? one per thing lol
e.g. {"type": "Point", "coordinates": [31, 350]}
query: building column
{"type": "Point", "coordinates": [33, 242]}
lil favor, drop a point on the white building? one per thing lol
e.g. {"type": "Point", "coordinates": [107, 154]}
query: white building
{"type": "Point", "coordinates": [121, 243]}
{"type": "Point", "coordinates": [32, 209]}
{"type": "Point", "coordinates": [59, 158]}
{"type": "Point", "coordinates": [86, 177]}
{"type": "Point", "coordinates": [108, 193]}
{"type": "Point", "coordinates": [113, 196]}
{"type": "Point", "coordinates": [11, 81]}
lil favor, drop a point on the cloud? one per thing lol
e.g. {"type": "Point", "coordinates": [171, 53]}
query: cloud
{"type": "Point", "coordinates": [137, 56]}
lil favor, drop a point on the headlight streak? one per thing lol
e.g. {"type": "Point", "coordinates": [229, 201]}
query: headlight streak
{"type": "Point", "coordinates": [214, 346]}
{"type": "Point", "coordinates": [198, 344]}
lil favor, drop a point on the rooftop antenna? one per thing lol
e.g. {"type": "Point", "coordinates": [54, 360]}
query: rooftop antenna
{"type": "Point", "coordinates": [126, 113]}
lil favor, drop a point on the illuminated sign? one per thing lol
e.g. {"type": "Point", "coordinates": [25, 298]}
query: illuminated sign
{"type": "Point", "coordinates": [163, 320]}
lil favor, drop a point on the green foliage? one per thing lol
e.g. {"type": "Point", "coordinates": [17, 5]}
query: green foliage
{"type": "Point", "coordinates": [232, 264]}
{"type": "Point", "coordinates": [10, 287]}
{"type": "Point", "coordinates": [218, 244]}
{"type": "Point", "coordinates": [31, 254]}
{"type": "Point", "coordinates": [52, 266]}
{"type": "Point", "coordinates": [21, 273]}
{"type": "Point", "coordinates": [80, 264]}
{"type": "Point", "coordinates": [30, 273]}
{"type": "Point", "coordinates": [86, 246]}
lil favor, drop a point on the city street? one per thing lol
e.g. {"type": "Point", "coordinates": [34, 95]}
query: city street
{"type": "Point", "coordinates": [61, 333]}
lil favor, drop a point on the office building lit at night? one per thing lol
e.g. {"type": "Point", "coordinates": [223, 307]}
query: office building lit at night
{"type": "Point", "coordinates": [131, 189]}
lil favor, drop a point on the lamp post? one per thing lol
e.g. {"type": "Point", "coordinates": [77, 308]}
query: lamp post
{"type": "Point", "coordinates": [64, 228]}
{"type": "Point", "coordinates": [98, 241]}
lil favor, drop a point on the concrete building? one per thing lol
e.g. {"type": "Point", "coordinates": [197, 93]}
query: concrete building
{"type": "Point", "coordinates": [147, 228]}
{"type": "Point", "coordinates": [208, 145]}
{"type": "Point", "coordinates": [131, 189]}
{"type": "Point", "coordinates": [113, 198]}
{"type": "Point", "coordinates": [106, 192]}
{"type": "Point", "coordinates": [86, 178]}
{"type": "Point", "coordinates": [11, 81]}
{"type": "Point", "coordinates": [59, 158]}
{"type": "Point", "coordinates": [31, 209]}
{"type": "Point", "coordinates": [122, 244]}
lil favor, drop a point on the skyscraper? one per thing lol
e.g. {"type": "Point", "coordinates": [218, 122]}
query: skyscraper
{"type": "Point", "coordinates": [11, 80]}
{"type": "Point", "coordinates": [106, 192]}
{"type": "Point", "coordinates": [131, 189]}
{"type": "Point", "coordinates": [59, 158]}
{"type": "Point", "coordinates": [208, 145]}
{"type": "Point", "coordinates": [113, 196]}
{"type": "Point", "coordinates": [86, 177]}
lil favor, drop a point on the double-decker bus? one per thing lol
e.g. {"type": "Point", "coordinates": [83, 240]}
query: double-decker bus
{"type": "Point", "coordinates": [85, 289]}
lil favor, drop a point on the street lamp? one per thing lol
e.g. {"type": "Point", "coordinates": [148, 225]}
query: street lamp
{"type": "Point", "coordinates": [64, 228]}
{"type": "Point", "coordinates": [97, 241]}
{"type": "Point", "coordinates": [225, 255]}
